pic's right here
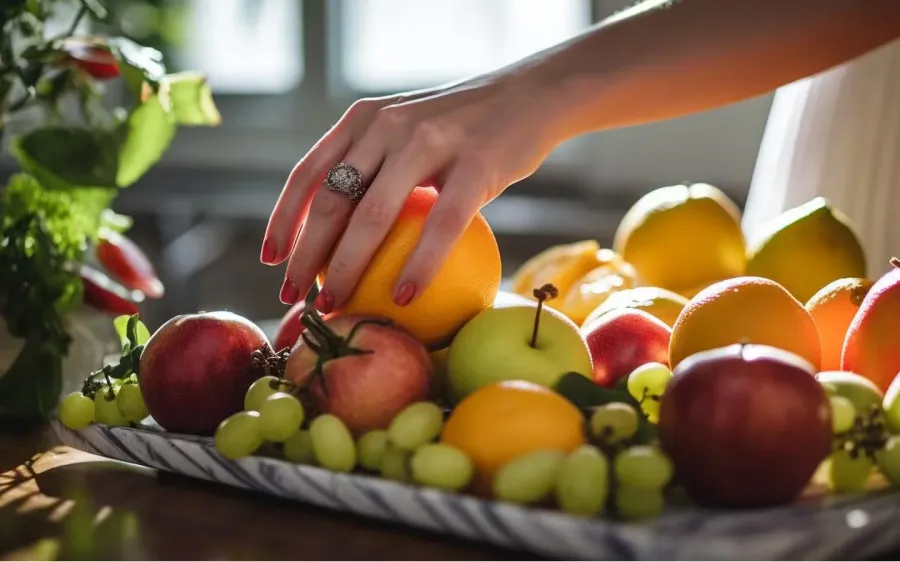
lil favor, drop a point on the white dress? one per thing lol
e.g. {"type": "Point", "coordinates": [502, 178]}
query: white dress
{"type": "Point", "coordinates": [837, 135]}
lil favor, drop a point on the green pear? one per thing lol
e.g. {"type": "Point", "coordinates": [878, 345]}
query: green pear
{"type": "Point", "coordinates": [499, 344]}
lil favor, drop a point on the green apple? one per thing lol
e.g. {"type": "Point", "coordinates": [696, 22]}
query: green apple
{"type": "Point", "coordinates": [497, 345]}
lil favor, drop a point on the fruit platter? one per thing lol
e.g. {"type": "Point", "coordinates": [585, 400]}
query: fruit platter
{"type": "Point", "coordinates": [683, 394]}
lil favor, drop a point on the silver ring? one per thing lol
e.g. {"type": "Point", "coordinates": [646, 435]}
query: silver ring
{"type": "Point", "coordinates": [347, 180]}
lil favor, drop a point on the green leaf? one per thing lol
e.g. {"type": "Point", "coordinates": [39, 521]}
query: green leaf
{"type": "Point", "coordinates": [190, 99]}
{"type": "Point", "coordinates": [586, 395]}
{"type": "Point", "coordinates": [142, 334]}
{"type": "Point", "coordinates": [147, 133]}
{"type": "Point", "coordinates": [138, 64]}
{"type": "Point", "coordinates": [62, 157]}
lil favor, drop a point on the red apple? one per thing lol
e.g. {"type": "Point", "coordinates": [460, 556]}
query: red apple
{"type": "Point", "coordinates": [290, 327]}
{"type": "Point", "coordinates": [370, 369]}
{"type": "Point", "coordinates": [745, 425]}
{"type": "Point", "coordinates": [196, 369]}
{"type": "Point", "coordinates": [622, 340]}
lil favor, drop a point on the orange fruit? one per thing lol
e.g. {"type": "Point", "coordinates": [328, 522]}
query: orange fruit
{"type": "Point", "coordinates": [505, 420]}
{"type": "Point", "coordinates": [744, 310]}
{"type": "Point", "coordinates": [466, 283]}
{"type": "Point", "coordinates": [832, 309]}
{"type": "Point", "coordinates": [683, 238]}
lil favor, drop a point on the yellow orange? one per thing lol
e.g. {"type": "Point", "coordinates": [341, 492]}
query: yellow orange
{"type": "Point", "coordinates": [560, 265]}
{"type": "Point", "coordinates": [502, 421]}
{"type": "Point", "coordinates": [745, 310]}
{"type": "Point", "coordinates": [662, 303]}
{"type": "Point", "coordinates": [466, 283]}
{"type": "Point", "coordinates": [833, 309]}
{"type": "Point", "coordinates": [683, 238]}
{"type": "Point", "coordinates": [590, 291]}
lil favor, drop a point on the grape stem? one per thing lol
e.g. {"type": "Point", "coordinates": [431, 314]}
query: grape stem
{"type": "Point", "coordinates": [543, 293]}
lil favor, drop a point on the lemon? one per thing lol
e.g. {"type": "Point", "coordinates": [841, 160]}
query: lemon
{"type": "Point", "coordinates": [683, 238]}
{"type": "Point", "coordinates": [806, 248]}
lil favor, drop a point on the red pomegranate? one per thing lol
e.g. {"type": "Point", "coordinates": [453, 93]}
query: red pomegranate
{"type": "Point", "coordinates": [196, 369]}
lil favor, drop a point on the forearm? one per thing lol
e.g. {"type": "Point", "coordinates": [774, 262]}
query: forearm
{"type": "Point", "coordinates": [693, 55]}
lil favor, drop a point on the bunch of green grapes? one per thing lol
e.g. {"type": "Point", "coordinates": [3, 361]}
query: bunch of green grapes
{"type": "Point", "coordinates": [630, 478]}
{"type": "Point", "coordinates": [866, 428]}
{"type": "Point", "coordinates": [269, 415]}
{"type": "Point", "coordinates": [117, 402]}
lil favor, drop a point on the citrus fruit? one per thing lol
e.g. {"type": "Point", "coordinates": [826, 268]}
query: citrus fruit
{"type": "Point", "coordinates": [466, 283]}
{"type": "Point", "coordinates": [559, 265]}
{"type": "Point", "coordinates": [806, 248]}
{"type": "Point", "coordinates": [744, 310]}
{"type": "Point", "coordinates": [661, 303]}
{"type": "Point", "coordinates": [683, 238]}
{"type": "Point", "coordinates": [613, 274]}
{"type": "Point", "coordinates": [503, 421]}
{"type": "Point", "coordinates": [832, 309]}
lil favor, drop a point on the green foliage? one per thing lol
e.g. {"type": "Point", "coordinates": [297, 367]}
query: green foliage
{"type": "Point", "coordinates": [73, 167]}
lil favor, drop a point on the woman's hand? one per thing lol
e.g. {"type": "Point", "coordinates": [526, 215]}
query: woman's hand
{"type": "Point", "coordinates": [469, 140]}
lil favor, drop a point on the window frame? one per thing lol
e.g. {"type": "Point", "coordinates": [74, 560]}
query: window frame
{"type": "Point", "coordinates": [312, 107]}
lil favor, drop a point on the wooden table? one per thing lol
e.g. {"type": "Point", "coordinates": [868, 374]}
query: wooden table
{"type": "Point", "coordinates": [56, 502]}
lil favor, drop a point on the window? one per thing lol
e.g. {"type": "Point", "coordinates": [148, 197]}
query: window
{"type": "Point", "coordinates": [394, 45]}
{"type": "Point", "coordinates": [245, 46]}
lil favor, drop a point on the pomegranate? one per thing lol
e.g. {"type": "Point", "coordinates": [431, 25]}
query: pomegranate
{"type": "Point", "coordinates": [196, 369]}
{"type": "Point", "coordinates": [363, 370]}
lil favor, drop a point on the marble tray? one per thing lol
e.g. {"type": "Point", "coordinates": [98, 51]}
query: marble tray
{"type": "Point", "coordinates": [818, 528]}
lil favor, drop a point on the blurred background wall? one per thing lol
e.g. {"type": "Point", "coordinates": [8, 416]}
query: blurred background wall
{"type": "Point", "coordinates": [284, 70]}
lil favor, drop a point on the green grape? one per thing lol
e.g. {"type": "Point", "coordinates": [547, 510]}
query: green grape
{"type": "Point", "coordinates": [238, 435]}
{"type": "Point", "coordinates": [298, 448]}
{"type": "Point", "coordinates": [649, 379]}
{"type": "Point", "coordinates": [371, 448]}
{"type": "Point", "coordinates": [843, 414]}
{"type": "Point", "coordinates": [441, 466]}
{"type": "Point", "coordinates": [847, 474]}
{"type": "Point", "coordinates": [614, 422]}
{"type": "Point", "coordinates": [891, 405]}
{"type": "Point", "coordinates": [642, 466]}
{"type": "Point", "coordinates": [635, 504]}
{"type": "Point", "coordinates": [259, 391]}
{"type": "Point", "coordinates": [106, 408]}
{"type": "Point", "coordinates": [131, 403]}
{"type": "Point", "coordinates": [395, 465]}
{"type": "Point", "coordinates": [280, 415]}
{"type": "Point", "coordinates": [332, 443]}
{"type": "Point", "coordinates": [416, 425]}
{"type": "Point", "coordinates": [582, 484]}
{"type": "Point", "coordinates": [889, 460]}
{"type": "Point", "coordinates": [650, 407]}
{"type": "Point", "coordinates": [76, 411]}
{"type": "Point", "coordinates": [529, 478]}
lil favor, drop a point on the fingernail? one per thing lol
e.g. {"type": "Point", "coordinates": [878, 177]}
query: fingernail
{"type": "Point", "coordinates": [404, 294]}
{"type": "Point", "coordinates": [267, 255]}
{"type": "Point", "coordinates": [324, 302]}
{"type": "Point", "coordinates": [289, 292]}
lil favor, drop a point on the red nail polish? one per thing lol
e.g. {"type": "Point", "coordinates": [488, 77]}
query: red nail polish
{"type": "Point", "coordinates": [289, 292]}
{"type": "Point", "coordinates": [324, 302]}
{"type": "Point", "coordinates": [404, 294]}
{"type": "Point", "coordinates": [267, 255]}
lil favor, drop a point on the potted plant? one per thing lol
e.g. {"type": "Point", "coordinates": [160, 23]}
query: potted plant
{"type": "Point", "coordinates": [67, 266]}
